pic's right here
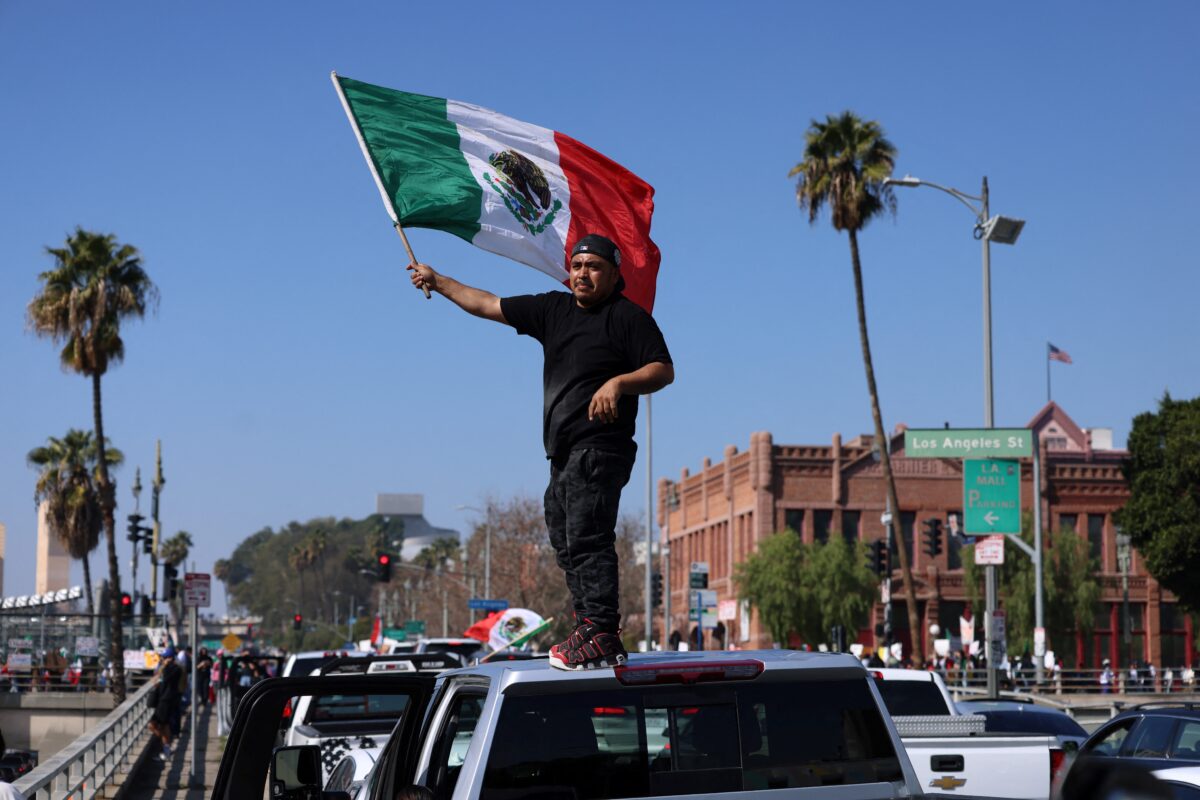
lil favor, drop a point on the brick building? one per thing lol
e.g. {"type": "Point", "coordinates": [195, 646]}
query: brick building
{"type": "Point", "coordinates": [719, 514]}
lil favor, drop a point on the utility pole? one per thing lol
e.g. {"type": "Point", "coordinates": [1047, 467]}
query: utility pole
{"type": "Point", "coordinates": [157, 485]}
{"type": "Point", "coordinates": [137, 494]}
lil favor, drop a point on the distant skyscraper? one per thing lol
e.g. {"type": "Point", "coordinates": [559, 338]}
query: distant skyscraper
{"type": "Point", "coordinates": [53, 563]}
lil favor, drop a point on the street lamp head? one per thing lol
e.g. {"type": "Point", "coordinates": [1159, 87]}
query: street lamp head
{"type": "Point", "coordinates": [1002, 230]}
{"type": "Point", "coordinates": [907, 180]}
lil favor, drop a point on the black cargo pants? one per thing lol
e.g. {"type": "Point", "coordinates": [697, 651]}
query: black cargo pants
{"type": "Point", "coordinates": [581, 513]}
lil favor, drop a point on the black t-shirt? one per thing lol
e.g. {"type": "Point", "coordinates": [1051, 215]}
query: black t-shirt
{"type": "Point", "coordinates": [584, 347]}
{"type": "Point", "coordinates": [171, 674]}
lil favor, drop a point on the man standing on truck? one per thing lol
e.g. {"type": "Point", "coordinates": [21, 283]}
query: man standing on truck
{"type": "Point", "coordinates": [601, 350]}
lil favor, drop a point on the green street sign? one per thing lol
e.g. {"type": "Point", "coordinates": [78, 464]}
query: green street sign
{"type": "Point", "coordinates": [968, 443]}
{"type": "Point", "coordinates": [415, 627]}
{"type": "Point", "coordinates": [399, 634]}
{"type": "Point", "coordinates": [991, 496]}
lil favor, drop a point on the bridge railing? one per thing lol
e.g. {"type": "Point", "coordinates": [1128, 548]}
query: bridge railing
{"type": "Point", "coordinates": [82, 769]}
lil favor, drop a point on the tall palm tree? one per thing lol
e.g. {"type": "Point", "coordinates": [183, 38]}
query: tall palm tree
{"type": "Point", "coordinates": [846, 160]}
{"type": "Point", "coordinates": [300, 559]}
{"type": "Point", "coordinates": [316, 544]}
{"type": "Point", "coordinates": [67, 485]}
{"type": "Point", "coordinates": [96, 284]}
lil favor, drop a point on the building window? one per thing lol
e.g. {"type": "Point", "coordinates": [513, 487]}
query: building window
{"type": "Point", "coordinates": [1056, 443]}
{"type": "Point", "coordinates": [850, 520]}
{"type": "Point", "coordinates": [1068, 522]}
{"type": "Point", "coordinates": [822, 519]}
{"type": "Point", "coordinates": [794, 518]}
{"type": "Point", "coordinates": [1095, 525]}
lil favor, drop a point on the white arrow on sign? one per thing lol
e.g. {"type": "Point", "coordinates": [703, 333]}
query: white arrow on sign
{"type": "Point", "coordinates": [990, 518]}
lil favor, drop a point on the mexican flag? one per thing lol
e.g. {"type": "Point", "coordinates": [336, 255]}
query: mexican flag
{"type": "Point", "coordinates": [516, 189]}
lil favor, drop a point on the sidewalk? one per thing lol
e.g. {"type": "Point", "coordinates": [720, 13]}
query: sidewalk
{"type": "Point", "coordinates": [158, 780]}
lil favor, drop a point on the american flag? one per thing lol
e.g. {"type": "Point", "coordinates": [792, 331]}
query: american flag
{"type": "Point", "coordinates": [1059, 355]}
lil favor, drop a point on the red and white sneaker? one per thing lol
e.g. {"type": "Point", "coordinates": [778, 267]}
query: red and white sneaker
{"type": "Point", "coordinates": [597, 650]}
{"type": "Point", "coordinates": [573, 641]}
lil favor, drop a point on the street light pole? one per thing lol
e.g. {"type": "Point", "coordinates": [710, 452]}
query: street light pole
{"type": "Point", "coordinates": [1004, 230]}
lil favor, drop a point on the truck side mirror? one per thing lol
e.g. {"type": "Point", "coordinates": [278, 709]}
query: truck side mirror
{"type": "Point", "coordinates": [296, 772]}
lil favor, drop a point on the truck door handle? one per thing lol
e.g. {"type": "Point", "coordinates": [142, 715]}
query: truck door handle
{"type": "Point", "coordinates": [953, 763]}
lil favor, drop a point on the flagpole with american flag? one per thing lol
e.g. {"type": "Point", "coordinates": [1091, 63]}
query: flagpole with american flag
{"type": "Point", "coordinates": [1054, 354]}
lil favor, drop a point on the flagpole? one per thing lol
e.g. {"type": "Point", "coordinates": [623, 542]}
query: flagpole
{"type": "Point", "coordinates": [1047, 372]}
{"type": "Point", "coordinates": [362, 143]}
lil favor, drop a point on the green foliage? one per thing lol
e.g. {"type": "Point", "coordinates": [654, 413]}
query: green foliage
{"type": "Point", "coordinates": [298, 568]}
{"type": "Point", "coordinates": [1163, 513]}
{"type": "Point", "coordinates": [807, 588]}
{"type": "Point", "coordinates": [1070, 588]}
{"type": "Point", "coordinates": [846, 160]}
{"type": "Point", "coordinates": [67, 484]}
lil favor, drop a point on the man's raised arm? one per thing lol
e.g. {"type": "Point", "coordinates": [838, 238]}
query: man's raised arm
{"type": "Point", "coordinates": [468, 298]}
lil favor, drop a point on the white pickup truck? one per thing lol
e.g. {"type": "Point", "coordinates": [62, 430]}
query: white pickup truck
{"type": "Point", "coordinates": [951, 751]}
{"type": "Point", "coordinates": [770, 724]}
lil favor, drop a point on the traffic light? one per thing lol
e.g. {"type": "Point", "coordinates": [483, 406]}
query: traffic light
{"type": "Point", "coordinates": [146, 609]}
{"type": "Point", "coordinates": [877, 558]}
{"type": "Point", "coordinates": [148, 543]}
{"type": "Point", "coordinates": [383, 569]}
{"type": "Point", "coordinates": [126, 605]}
{"type": "Point", "coordinates": [170, 582]}
{"type": "Point", "coordinates": [135, 528]}
{"type": "Point", "coordinates": [933, 537]}
{"type": "Point", "coordinates": [298, 622]}
{"type": "Point", "coordinates": [656, 589]}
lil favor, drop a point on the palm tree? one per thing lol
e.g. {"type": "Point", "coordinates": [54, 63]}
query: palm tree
{"type": "Point", "coordinates": [317, 543]}
{"type": "Point", "coordinates": [846, 160]}
{"type": "Point", "coordinates": [174, 551]}
{"type": "Point", "coordinates": [299, 559]}
{"type": "Point", "coordinates": [96, 283]}
{"type": "Point", "coordinates": [67, 486]}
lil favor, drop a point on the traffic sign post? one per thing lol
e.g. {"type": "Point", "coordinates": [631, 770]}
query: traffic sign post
{"type": "Point", "coordinates": [197, 590]}
{"type": "Point", "coordinates": [989, 551]}
{"type": "Point", "coordinates": [991, 496]}
{"type": "Point", "coordinates": [481, 604]}
{"type": "Point", "coordinates": [698, 575]}
{"type": "Point", "coordinates": [968, 443]}
{"type": "Point", "coordinates": [197, 594]}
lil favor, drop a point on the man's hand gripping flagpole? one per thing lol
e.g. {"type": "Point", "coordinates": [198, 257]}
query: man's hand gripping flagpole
{"type": "Point", "coordinates": [412, 260]}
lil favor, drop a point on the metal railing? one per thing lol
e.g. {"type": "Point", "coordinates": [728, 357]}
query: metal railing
{"type": "Point", "coordinates": [82, 769]}
{"type": "Point", "coordinates": [1074, 681]}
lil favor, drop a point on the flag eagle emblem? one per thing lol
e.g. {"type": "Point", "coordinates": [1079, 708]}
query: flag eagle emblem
{"type": "Point", "coordinates": [525, 190]}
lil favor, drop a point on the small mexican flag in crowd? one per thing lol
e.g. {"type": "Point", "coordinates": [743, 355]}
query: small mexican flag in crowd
{"type": "Point", "coordinates": [516, 189]}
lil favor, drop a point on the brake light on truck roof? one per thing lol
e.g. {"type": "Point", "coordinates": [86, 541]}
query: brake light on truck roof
{"type": "Point", "coordinates": [688, 672]}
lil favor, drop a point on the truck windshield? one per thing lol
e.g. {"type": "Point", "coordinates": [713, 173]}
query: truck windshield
{"type": "Point", "coordinates": [912, 698]}
{"type": "Point", "coordinates": [655, 741]}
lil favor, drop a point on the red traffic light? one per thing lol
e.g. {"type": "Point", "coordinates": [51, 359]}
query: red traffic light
{"type": "Point", "coordinates": [384, 558]}
{"type": "Point", "coordinates": [298, 618]}
{"type": "Point", "coordinates": [126, 600]}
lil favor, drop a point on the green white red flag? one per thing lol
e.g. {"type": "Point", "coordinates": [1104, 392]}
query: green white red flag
{"type": "Point", "coordinates": [510, 187]}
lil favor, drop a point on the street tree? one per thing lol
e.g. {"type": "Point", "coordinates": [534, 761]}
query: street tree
{"type": "Point", "coordinates": [1162, 516]}
{"type": "Point", "coordinates": [524, 569]}
{"type": "Point", "coordinates": [96, 284]}
{"type": "Point", "coordinates": [846, 161]}
{"type": "Point", "coordinates": [67, 485]}
{"type": "Point", "coordinates": [1070, 589]}
{"type": "Point", "coordinates": [843, 586]}
{"type": "Point", "coordinates": [771, 579]}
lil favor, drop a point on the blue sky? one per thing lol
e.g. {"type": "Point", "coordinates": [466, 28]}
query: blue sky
{"type": "Point", "coordinates": [292, 372]}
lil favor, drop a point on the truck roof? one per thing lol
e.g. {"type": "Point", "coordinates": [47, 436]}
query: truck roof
{"type": "Point", "coordinates": [532, 671]}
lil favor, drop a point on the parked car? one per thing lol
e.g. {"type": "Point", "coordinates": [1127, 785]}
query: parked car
{"type": "Point", "coordinates": [304, 663]}
{"type": "Point", "coordinates": [340, 723]}
{"type": "Point", "coordinates": [1154, 736]}
{"type": "Point", "coordinates": [1024, 716]}
{"type": "Point", "coordinates": [951, 751]}
{"type": "Point", "coordinates": [469, 649]}
{"type": "Point", "coordinates": [695, 724]}
{"type": "Point", "coordinates": [1184, 782]}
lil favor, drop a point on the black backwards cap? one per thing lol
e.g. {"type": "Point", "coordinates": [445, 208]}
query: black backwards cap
{"type": "Point", "coordinates": [604, 247]}
{"type": "Point", "coordinates": [598, 245]}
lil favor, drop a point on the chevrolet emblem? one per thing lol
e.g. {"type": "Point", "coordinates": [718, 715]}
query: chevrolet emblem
{"type": "Point", "coordinates": [948, 782]}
